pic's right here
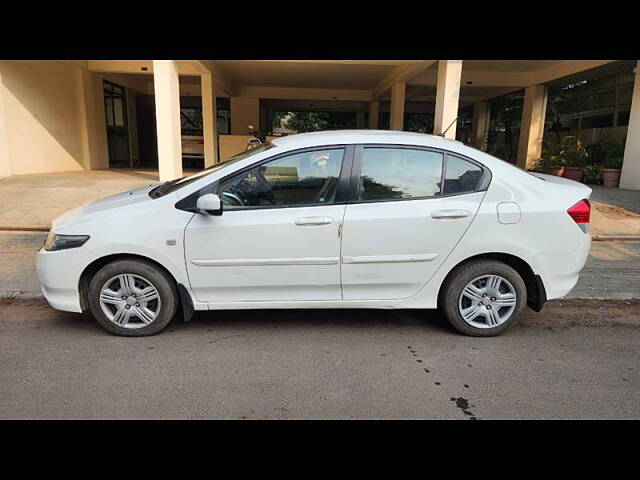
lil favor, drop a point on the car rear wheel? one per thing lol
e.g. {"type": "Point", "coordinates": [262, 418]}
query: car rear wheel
{"type": "Point", "coordinates": [483, 298]}
{"type": "Point", "coordinates": [132, 298]}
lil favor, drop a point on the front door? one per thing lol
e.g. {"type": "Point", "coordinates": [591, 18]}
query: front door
{"type": "Point", "coordinates": [405, 216]}
{"type": "Point", "coordinates": [115, 110]}
{"type": "Point", "coordinates": [277, 239]}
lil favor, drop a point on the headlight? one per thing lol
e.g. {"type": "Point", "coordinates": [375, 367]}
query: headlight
{"type": "Point", "coordinates": [55, 241]}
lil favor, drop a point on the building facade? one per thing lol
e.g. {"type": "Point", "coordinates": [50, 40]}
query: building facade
{"type": "Point", "coordinates": [169, 115]}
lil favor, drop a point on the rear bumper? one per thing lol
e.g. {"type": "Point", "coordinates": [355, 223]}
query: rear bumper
{"type": "Point", "coordinates": [562, 268]}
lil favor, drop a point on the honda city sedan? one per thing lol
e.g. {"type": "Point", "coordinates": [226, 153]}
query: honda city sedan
{"type": "Point", "coordinates": [326, 220]}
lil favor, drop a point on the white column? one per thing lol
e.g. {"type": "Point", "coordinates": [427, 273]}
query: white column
{"type": "Point", "coordinates": [630, 177]}
{"type": "Point", "coordinates": [167, 97]}
{"type": "Point", "coordinates": [374, 111]}
{"type": "Point", "coordinates": [534, 111]}
{"type": "Point", "coordinates": [5, 161]}
{"type": "Point", "coordinates": [447, 97]}
{"type": "Point", "coordinates": [396, 121]}
{"type": "Point", "coordinates": [480, 124]}
{"type": "Point", "coordinates": [209, 120]}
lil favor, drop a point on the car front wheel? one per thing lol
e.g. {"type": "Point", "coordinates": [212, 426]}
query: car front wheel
{"type": "Point", "coordinates": [483, 298]}
{"type": "Point", "coordinates": [132, 298]}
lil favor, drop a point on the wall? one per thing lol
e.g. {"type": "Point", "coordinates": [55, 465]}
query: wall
{"type": "Point", "coordinates": [42, 107]}
{"type": "Point", "coordinates": [229, 145]}
{"type": "Point", "coordinates": [244, 112]}
{"type": "Point", "coordinates": [5, 161]}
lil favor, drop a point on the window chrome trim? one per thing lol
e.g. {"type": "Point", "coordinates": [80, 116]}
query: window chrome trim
{"type": "Point", "coordinates": [483, 184]}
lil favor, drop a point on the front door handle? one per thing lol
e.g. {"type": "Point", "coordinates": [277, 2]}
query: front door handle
{"type": "Point", "coordinates": [450, 214]}
{"type": "Point", "coordinates": [304, 221]}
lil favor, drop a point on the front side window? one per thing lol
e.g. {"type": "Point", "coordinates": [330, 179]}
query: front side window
{"type": "Point", "coordinates": [461, 176]}
{"type": "Point", "coordinates": [308, 178]}
{"type": "Point", "coordinates": [399, 173]}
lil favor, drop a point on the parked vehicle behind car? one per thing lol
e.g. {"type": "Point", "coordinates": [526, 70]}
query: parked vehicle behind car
{"type": "Point", "coordinates": [340, 219]}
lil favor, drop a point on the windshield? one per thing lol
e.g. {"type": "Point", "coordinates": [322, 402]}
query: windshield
{"type": "Point", "coordinates": [173, 185]}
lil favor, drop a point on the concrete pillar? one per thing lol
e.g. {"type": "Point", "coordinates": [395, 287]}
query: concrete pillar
{"type": "Point", "coordinates": [374, 112]}
{"type": "Point", "coordinates": [447, 97]}
{"type": "Point", "coordinates": [630, 177]}
{"type": "Point", "coordinates": [167, 96]}
{"type": "Point", "coordinates": [480, 124]}
{"type": "Point", "coordinates": [534, 110]}
{"type": "Point", "coordinates": [244, 112]}
{"type": "Point", "coordinates": [5, 160]}
{"type": "Point", "coordinates": [92, 121]}
{"type": "Point", "coordinates": [359, 120]}
{"type": "Point", "coordinates": [396, 120]}
{"type": "Point", "coordinates": [209, 120]}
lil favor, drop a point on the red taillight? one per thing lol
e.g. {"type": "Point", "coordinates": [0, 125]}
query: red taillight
{"type": "Point", "coordinates": [581, 211]}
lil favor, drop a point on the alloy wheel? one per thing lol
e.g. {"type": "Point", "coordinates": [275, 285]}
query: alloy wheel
{"type": "Point", "coordinates": [487, 301]}
{"type": "Point", "coordinates": [130, 301]}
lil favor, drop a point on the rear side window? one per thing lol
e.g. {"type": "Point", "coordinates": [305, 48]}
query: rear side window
{"type": "Point", "coordinates": [461, 176]}
{"type": "Point", "coordinates": [399, 173]}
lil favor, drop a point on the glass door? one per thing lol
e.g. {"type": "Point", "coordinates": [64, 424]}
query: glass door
{"type": "Point", "coordinates": [115, 109]}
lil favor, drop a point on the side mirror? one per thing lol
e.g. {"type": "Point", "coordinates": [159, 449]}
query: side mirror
{"type": "Point", "coordinates": [209, 204]}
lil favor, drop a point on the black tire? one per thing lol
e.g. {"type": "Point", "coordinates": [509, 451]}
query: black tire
{"type": "Point", "coordinates": [458, 280]}
{"type": "Point", "coordinates": [163, 283]}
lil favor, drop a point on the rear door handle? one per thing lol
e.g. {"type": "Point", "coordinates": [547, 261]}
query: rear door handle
{"type": "Point", "coordinates": [305, 221]}
{"type": "Point", "coordinates": [450, 214]}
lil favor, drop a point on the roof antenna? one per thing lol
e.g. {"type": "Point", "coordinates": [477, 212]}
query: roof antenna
{"type": "Point", "coordinates": [447, 129]}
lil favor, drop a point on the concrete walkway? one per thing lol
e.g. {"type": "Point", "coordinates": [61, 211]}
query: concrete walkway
{"type": "Point", "coordinates": [32, 201]}
{"type": "Point", "coordinates": [615, 213]}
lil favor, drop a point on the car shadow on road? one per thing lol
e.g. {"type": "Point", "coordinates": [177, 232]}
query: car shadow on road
{"type": "Point", "coordinates": [316, 318]}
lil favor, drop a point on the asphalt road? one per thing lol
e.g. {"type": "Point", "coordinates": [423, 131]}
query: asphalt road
{"type": "Point", "coordinates": [578, 359]}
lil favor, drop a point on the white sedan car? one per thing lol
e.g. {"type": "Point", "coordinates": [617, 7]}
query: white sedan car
{"type": "Point", "coordinates": [343, 219]}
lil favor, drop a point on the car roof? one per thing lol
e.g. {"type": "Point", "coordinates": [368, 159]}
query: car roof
{"type": "Point", "coordinates": [362, 136]}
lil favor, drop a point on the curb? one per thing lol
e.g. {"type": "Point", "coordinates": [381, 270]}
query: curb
{"type": "Point", "coordinates": [24, 229]}
{"type": "Point", "coordinates": [616, 238]}
{"type": "Point", "coordinates": [20, 295]}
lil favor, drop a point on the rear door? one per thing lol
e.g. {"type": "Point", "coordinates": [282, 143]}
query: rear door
{"type": "Point", "coordinates": [408, 208]}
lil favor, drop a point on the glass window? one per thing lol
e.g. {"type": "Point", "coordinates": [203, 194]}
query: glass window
{"type": "Point", "coordinates": [309, 178]}
{"type": "Point", "coordinates": [399, 173]}
{"type": "Point", "coordinates": [119, 114]}
{"type": "Point", "coordinates": [191, 121]}
{"type": "Point", "coordinates": [461, 176]}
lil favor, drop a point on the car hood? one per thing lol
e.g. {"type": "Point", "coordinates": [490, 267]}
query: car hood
{"type": "Point", "coordinates": [98, 207]}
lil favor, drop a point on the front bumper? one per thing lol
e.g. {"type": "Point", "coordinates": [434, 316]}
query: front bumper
{"type": "Point", "coordinates": [59, 276]}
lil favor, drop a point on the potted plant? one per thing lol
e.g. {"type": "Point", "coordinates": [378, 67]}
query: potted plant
{"type": "Point", "coordinates": [608, 153]}
{"type": "Point", "coordinates": [592, 173]}
{"type": "Point", "coordinates": [548, 166]}
{"type": "Point", "coordinates": [575, 156]}
{"type": "Point", "coordinates": [554, 156]}
{"type": "Point", "coordinates": [611, 172]}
